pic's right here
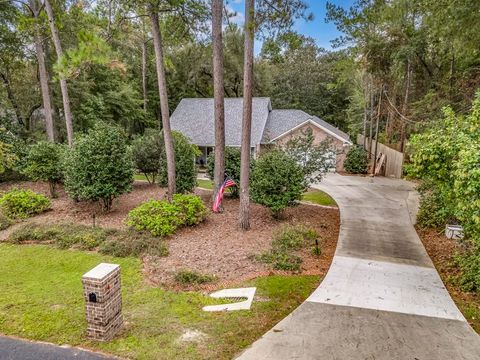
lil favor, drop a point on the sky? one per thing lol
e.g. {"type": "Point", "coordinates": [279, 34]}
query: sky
{"type": "Point", "coordinates": [318, 29]}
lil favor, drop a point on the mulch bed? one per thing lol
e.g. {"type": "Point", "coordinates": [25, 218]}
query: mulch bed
{"type": "Point", "coordinates": [215, 247]}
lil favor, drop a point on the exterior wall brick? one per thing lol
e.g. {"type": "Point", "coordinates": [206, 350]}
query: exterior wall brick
{"type": "Point", "coordinates": [104, 314]}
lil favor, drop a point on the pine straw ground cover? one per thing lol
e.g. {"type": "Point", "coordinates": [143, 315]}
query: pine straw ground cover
{"type": "Point", "coordinates": [442, 252]}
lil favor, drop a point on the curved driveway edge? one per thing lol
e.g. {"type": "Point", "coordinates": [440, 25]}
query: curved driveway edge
{"type": "Point", "coordinates": [382, 297]}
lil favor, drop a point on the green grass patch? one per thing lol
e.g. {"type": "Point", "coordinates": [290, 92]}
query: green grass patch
{"type": "Point", "coordinates": [205, 184]}
{"type": "Point", "coordinates": [114, 242]}
{"type": "Point", "coordinates": [42, 300]}
{"type": "Point", "coordinates": [140, 177]}
{"type": "Point", "coordinates": [318, 197]}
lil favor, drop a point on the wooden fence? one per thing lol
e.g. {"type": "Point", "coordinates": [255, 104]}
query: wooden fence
{"type": "Point", "coordinates": [393, 158]}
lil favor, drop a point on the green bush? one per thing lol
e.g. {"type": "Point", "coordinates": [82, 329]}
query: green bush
{"type": "Point", "coordinates": [5, 222]}
{"type": "Point", "coordinates": [185, 170]}
{"type": "Point", "coordinates": [469, 264]}
{"type": "Point", "coordinates": [285, 241]}
{"type": "Point", "coordinates": [356, 161]}
{"type": "Point", "coordinates": [277, 181]}
{"type": "Point", "coordinates": [435, 210]}
{"type": "Point", "coordinates": [191, 207]}
{"type": "Point", "coordinates": [232, 167]}
{"type": "Point", "coordinates": [43, 163]}
{"type": "Point", "coordinates": [162, 218]}
{"type": "Point", "coordinates": [192, 277]}
{"type": "Point", "coordinates": [99, 166]}
{"type": "Point", "coordinates": [146, 151]}
{"type": "Point", "coordinates": [20, 204]}
{"type": "Point", "coordinates": [111, 242]}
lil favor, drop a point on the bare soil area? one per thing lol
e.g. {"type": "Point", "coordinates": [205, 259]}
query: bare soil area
{"type": "Point", "coordinates": [215, 247]}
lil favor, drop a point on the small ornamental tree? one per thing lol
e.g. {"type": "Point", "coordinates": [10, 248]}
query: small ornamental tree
{"type": "Point", "coordinates": [277, 181]}
{"type": "Point", "coordinates": [146, 151]}
{"type": "Point", "coordinates": [232, 167]}
{"type": "Point", "coordinates": [186, 173]}
{"type": "Point", "coordinates": [99, 167]}
{"type": "Point", "coordinates": [43, 163]}
{"type": "Point", "coordinates": [315, 160]}
{"type": "Point", "coordinates": [356, 161]}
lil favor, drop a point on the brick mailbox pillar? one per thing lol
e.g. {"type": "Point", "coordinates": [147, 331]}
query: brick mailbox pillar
{"type": "Point", "coordinates": [102, 292]}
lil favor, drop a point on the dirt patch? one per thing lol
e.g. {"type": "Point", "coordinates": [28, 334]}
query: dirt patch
{"type": "Point", "coordinates": [442, 251]}
{"type": "Point", "coordinates": [215, 247]}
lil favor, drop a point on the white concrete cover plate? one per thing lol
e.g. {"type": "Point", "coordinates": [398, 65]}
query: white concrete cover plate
{"type": "Point", "coordinates": [248, 293]}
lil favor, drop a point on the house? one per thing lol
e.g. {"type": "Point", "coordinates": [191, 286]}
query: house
{"type": "Point", "coordinates": [195, 119]}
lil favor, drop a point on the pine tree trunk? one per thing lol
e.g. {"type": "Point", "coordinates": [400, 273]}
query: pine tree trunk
{"type": "Point", "coordinates": [217, 17]}
{"type": "Point", "coordinates": [162, 92]}
{"type": "Point", "coordinates": [247, 116]}
{"type": "Point", "coordinates": [42, 69]}
{"type": "Point", "coordinates": [144, 75]}
{"type": "Point", "coordinates": [63, 82]}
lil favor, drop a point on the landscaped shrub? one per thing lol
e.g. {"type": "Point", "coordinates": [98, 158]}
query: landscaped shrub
{"type": "Point", "coordinates": [314, 159]}
{"type": "Point", "coordinates": [146, 151]}
{"type": "Point", "coordinates": [191, 207]}
{"type": "Point", "coordinates": [5, 222]}
{"type": "Point", "coordinates": [286, 241]}
{"type": "Point", "coordinates": [191, 277]}
{"type": "Point", "coordinates": [435, 210]}
{"type": "Point", "coordinates": [109, 241]}
{"type": "Point", "coordinates": [356, 161]}
{"type": "Point", "coordinates": [185, 171]}
{"type": "Point", "coordinates": [99, 166]}
{"type": "Point", "coordinates": [277, 181]}
{"type": "Point", "coordinates": [232, 167]}
{"type": "Point", "coordinates": [161, 218]}
{"type": "Point", "coordinates": [43, 163]}
{"type": "Point", "coordinates": [20, 204]}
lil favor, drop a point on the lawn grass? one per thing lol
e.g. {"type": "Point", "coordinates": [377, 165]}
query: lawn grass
{"type": "Point", "coordinates": [205, 184]}
{"type": "Point", "coordinates": [42, 300]}
{"type": "Point", "coordinates": [318, 197]}
{"type": "Point", "coordinates": [140, 177]}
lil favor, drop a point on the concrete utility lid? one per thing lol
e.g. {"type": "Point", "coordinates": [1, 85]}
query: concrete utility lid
{"type": "Point", "coordinates": [248, 293]}
{"type": "Point", "coordinates": [101, 271]}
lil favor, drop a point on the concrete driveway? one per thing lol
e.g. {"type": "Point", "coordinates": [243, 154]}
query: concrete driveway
{"type": "Point", "coordinates": [382, 298]}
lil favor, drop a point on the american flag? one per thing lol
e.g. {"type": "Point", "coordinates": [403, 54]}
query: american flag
{"type": "Point", "coordinates": [218, 199]}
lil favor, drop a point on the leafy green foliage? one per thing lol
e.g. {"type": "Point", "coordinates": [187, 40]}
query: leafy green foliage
{"type": "Point", "coordinates": [21, 204]}
{"type": "Point", "coordinates": [192, 277]}
{"type": "Point", "coordinates": [232, 167]}
{"type": "Point", "coordinates": [357, 160]}
{"type": "Point", "coordinates": [435, 210]}
{"type": "Point", "coordinates": [43, 163]}
{"type": "Point", "coordinates": [286, 241]}
{"type": "Point", "coordinates": [5, 222]}
{"type": "Point", "coordinates": [162, 218]}
{"type": "Point", "coordinates": [186, 173]}
{"type": "Point", "coordinates": [7, 157]}
{"type": "Point", "coordinates": [99, 166]}
{"type": "Point", "coordinates": [315, 160]}
{"type": "Point", "coordinates": [469, 263]}
{"type": "Point", "coordinates": [146, 151]}
{"type": "Point", "coordinates": [111, 242]}
{"type": "Point", "coordinates": [277, 181]}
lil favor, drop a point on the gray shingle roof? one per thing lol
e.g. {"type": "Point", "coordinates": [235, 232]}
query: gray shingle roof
{"type": "Point", "coordinates": [281, 121]}
{"type": "Point", "coordinates": [195, 119]}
